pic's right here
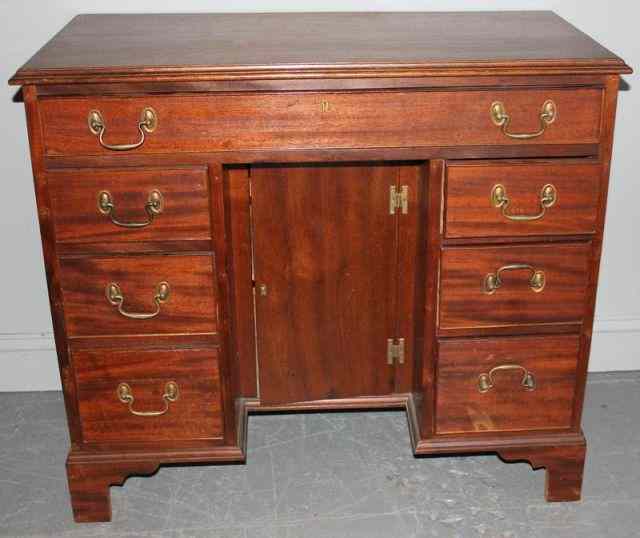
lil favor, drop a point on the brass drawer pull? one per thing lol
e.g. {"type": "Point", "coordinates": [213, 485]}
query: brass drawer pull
{"type": "Point", "coordinates": [171, 393]}
{"type": "Point", "coordinates": [493, 281]}
{"type": "Point", "coordinates": [500, 200]}
{"type": "Point", "coordinates": [486, 381]}
{"type": "Point", "coordinates": [153, 207]}
{"type": "Point", "coordinates": [500, 118]}
{"type": "Point", "coordinates": [116, 298]}
{"type": "Point", "coordinates": [147, 124]}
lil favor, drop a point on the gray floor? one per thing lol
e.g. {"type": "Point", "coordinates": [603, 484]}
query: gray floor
{"type": "Point", "coordinates": [329, 476]}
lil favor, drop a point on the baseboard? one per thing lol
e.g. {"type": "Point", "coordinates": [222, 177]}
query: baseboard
{"type": "Point", "coordinates": [28, 360]}
{"type": "Point", "coordinates": [615, 345]}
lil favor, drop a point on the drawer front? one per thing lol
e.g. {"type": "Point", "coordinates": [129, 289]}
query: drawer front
{"type": "Point", "coordinates": [488, 287]}
{"type": "Point", "coordinates": [148, 395]}
{"type": "Point", "coordinates": [506, 384]}
{"type": "Point", "coordinates": [93, 307]}
{"type": "Point", "coordinates": [318, 120]}
{"type": "Point", "coordinates": [129, 205]}
{"type": "Point", "coordinates": [520, 199]}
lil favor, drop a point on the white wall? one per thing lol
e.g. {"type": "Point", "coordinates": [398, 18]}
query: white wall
{"type": "Point", "coordinates": [27, 359]}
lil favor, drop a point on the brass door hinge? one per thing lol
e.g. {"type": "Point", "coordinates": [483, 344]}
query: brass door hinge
{"type": "Point", "coordinates": [395, 350]}
{"type": "Point", "coordinates": [398, 199]}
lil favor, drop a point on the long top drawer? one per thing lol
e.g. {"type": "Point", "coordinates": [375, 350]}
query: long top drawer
{"type": "Point", "coordinates": [299, 120]}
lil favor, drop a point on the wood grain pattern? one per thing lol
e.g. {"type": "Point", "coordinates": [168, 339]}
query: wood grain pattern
{"type": "Point", "coordinates": [74, 202]}
{"type": "Point", "coordinates": [128, 88]}
{"type": "Point", "coordinates": [224, 311]}
{"type": "Point", "coordinates": [197, 414]}
{"type": "Point", "coordinates": [353, 103]}
{"type": "Point", "coordinates": [51, 260]}
{"type": "Point", "coordinates": [89, 486]}
{"type": "Point", "coordinates": [297, 156]}
{"type": "Point", "coordinates": [297, 45]}
{"type": "Point", "coordinates": [241, 253]}
{"type": "Point", "coordinates": [410, 275]}
{"type": "Point", "coordinates": [470, 213]}
{"type": "Point", "coordinates": [326, 247]}
{"type": "Point", "coordinates": [463, 302]}
{"type": "Point", "coordinates": [93, 468]}
{"type": "Point", "coordinates": [298, 120]}
{"type": "Point", "coordinates": [424, 401]}
{"type": "Point", "coordinates": [460, 407]}
{"type": "Point", "coordinates": [609, 114]}
{"type": "Point", "coordinates": [190, 308]}
{"type": "Point", "coordinates": [564, 465]}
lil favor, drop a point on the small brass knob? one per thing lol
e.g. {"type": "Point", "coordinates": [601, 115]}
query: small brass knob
{"type": "Point", "coordinates": [484, 384]}
{"type": "Point", "coordinates": [529, 382]}
{"type": "Point", "coordinates": [171, 391]}
{"type": "Point", "coordinates": [537, 281]}
{"type": "Point", "coordinates": [162, 291]}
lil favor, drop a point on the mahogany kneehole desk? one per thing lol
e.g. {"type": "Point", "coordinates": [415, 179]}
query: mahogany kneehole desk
{"type": "Point", "coordinates": [393, 210]}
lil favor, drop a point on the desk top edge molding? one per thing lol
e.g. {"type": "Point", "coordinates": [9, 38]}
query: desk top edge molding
{"type": "Point", "coordinates": [336, 45]}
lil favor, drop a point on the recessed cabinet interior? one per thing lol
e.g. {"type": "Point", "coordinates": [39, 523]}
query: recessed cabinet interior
{"type": "Point", "coordinates": [305, 212]}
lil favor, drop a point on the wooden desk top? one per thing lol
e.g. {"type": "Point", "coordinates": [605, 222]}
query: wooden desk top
{"type": "Point", "coordinates": [107, 48]}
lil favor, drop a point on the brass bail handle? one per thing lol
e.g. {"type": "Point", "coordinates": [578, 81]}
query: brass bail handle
{"type": "Point", "coordinates": [116, 298]}
{"type": "Point", "coordinates": [486, 380]}
{"type": "Point", "coordinates": [147, 123]}
{"type": "Point", "coordinates": [493, 281]}
{"type": "Point", "coordinates": [502, 119]}
{"type": "Point", "coordinates": [171, 394]}
{"type": "Point", "coordinates": [500, 200]}
{"type": "Point", "coordinates": [153, 207]}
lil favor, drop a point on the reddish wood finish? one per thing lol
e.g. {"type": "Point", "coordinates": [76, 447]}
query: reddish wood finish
{"type": "Point", "coordinates": [425, 378]}
{"type": "Point", "coordinates": [452, 81]}
{"type": "Point", "coordinates": [470, 212]}
{"type": "Point", "coordinates": [197, 413]}
{"type": "Point", "coordinates": [241, 253]}
{"type": "Point", "coordinates": [464, 304]}
{"type": "Point", "coordinates": [312, 120]}
{"type": "Point", "coordinates": [51, 261]}
{"type": "Point", "coordinates": [228, 371]}
{"type": "Point", "coordinates": [89, 486]}
{"type": "Point", "coordinates": [609, 114]}
{"type": "Point", "coordinates": [74, 202]}
{"type": "Point", "coordinates": [361, 102]}
{"type": "Point", "coordinates": [326, 247]}
{"type": "Point", "coordinates": [92, 470]}
{"type": "Point", "coordinates": [98, 48]}
{"type": "Point", "coordinates": [410, 276]}
{"type": "Point", "coordinates": [564, 465]}
{"type": "Point", "coordinates": [298, 156]}
{"type": "Point", "coordinates": [508, 406]}
{"type": "Point", "coordinates": [191, 306]}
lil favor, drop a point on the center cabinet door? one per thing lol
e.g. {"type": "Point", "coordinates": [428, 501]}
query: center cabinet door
{"type": "Point", "coordinates": [329, 263]}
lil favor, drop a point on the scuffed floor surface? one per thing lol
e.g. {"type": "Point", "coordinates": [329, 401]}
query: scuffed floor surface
{"type": "Point", "coordinates": [330, 475]}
